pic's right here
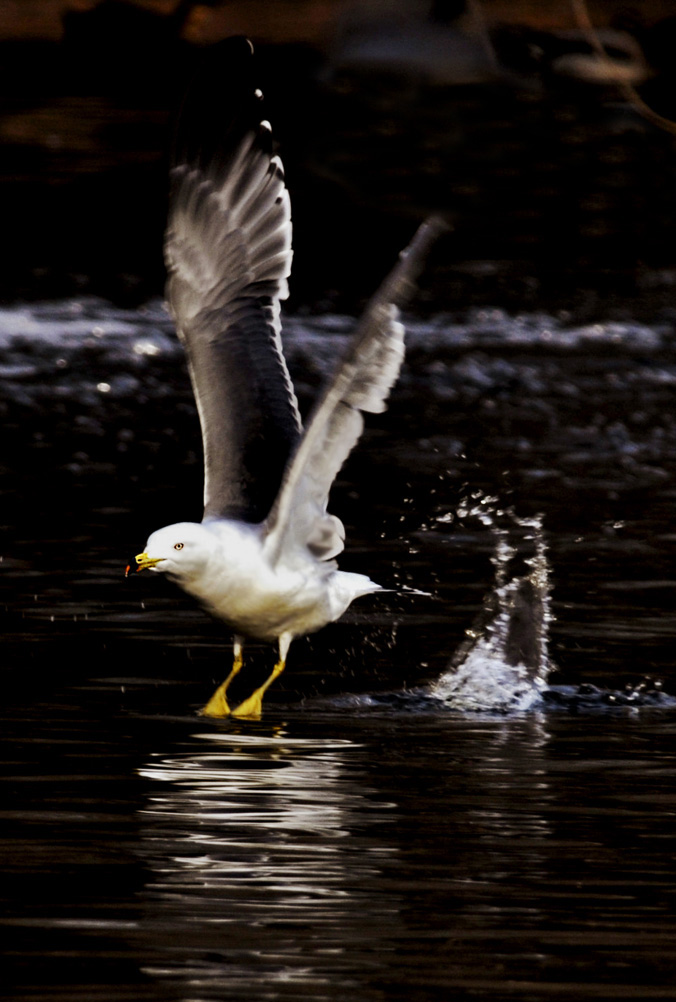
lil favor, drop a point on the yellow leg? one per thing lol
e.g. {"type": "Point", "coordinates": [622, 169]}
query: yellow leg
{"type": "Point", "coordinates": [253, 706]}
{"type": "Point", "coordinates": [218, 704]}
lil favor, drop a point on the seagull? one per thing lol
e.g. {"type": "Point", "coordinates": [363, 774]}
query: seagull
{"type": "Point", "coordinates": [263, 557]}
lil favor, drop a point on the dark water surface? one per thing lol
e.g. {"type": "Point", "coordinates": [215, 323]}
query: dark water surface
{"type": "Point", "coordinates": [362, 841]}
{"type": "Point", "coordinates": [336, 857]}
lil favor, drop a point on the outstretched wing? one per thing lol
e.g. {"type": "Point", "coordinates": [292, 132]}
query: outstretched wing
{"type": "Point", "coordinates": [362, 383]}
{"type": "Point", "coordinates": [228, 255]}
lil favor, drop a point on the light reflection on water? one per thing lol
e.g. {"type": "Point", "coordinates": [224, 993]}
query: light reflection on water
{"type": "Point", "coordinates": [300, 869]}
{"type": "Point", "coordinates": [270, 771]}
{"type": "Point", "coordinates": [265, 845]}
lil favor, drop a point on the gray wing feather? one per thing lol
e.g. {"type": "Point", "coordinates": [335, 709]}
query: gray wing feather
{"type": "Point", "coordinates": [228, 254]}
{"type": "Point", "coordinates": [361, 384]}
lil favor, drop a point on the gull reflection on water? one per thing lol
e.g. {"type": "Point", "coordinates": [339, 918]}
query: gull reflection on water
{"type": "Point", "coordinates": [269, 783]}
{"type": "Point", "coordinates": [325, 869]}
{"type": "Point", "coordinates": [257, 846]}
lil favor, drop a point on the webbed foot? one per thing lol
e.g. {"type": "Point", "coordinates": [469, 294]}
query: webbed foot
{"type": "Point", "coordinates": [252, 708]}
{"type": "Point", "coordinates": [218, 704]}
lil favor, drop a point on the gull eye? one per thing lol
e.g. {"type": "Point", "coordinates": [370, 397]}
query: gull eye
{"type": "Point", "coordinates": [179, 546]}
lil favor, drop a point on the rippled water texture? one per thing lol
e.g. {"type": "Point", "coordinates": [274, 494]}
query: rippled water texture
{"type": "Point", "coordinates": [395, 827]}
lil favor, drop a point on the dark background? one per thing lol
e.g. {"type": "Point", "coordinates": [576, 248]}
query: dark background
{"type": "Point", "coordinates": [344, 848]}
{"type": "Point", "coordinates": [561, 193]}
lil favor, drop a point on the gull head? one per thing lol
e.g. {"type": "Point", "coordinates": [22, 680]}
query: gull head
{"type": "Point", "coordinates": [182, 550]}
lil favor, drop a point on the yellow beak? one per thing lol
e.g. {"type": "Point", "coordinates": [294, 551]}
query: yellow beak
{"type": "Point", "coordinates": [144, 561]}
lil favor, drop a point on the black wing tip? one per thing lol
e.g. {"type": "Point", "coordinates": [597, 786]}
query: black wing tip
{"type": "Point", "coordinates": [400, 284]}
{"type": "Point", "coordinates": [245, 44]}
{"type": "Point", "coordinates": [427, 234]}
{"type": "Point", "coordinates": [221, 103]}
{"type": "Point", "coordinates": [232, 49]}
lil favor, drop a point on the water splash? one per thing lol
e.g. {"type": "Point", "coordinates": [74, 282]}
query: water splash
{"type": "Point", "coordinates": [503, 665]}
